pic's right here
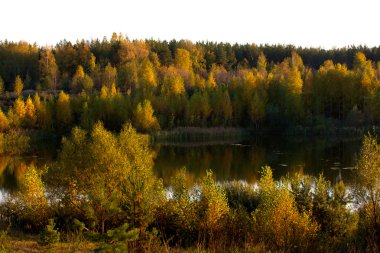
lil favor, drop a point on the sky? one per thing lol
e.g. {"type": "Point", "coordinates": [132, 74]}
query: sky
{"type": "Point", "coordinates": [316, 23]}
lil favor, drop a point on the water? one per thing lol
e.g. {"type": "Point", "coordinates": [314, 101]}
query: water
{"type": "Point", "coordinates": [242, 160]}
{"type": "Point", "coordinates": [229, 160]}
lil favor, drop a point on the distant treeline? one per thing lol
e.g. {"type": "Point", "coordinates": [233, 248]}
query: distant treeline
{"type": "Point", "coordinates": [163, 85]}
{"type": "Point", "coordinates": [22, 58]}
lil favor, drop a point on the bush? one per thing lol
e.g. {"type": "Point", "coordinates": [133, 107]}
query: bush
{"type": "Point", "coordinates": [49, 235]}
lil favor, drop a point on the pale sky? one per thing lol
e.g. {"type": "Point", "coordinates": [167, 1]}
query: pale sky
{"type": "Point", "coordinates": [325, 23]}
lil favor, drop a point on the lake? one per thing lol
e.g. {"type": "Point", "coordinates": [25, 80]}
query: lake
{"type": "Point", "coordinates": [229, 159]}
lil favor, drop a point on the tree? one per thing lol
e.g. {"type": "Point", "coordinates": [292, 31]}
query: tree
{"type": "Point", "coordinates": [17, 115]}
{"type": "Point", "coordinates": [256, 109]}
{"type": "Point", "coordinates": [76, 83]}
{"type": "Point", "coordinates": [4, 123]}
{"type": "Point", "coordinates": [87, 84]}
{"type": "Point", "coordinates": [30, 113]}
{"type": "Point", "coordinates": [18, 85]}
{"type": "Point", "coordinates": [183, 60]}
{"type": "Point", "coordinates": [172, 83]}
{"type": "Point", "coordinates": [109, 76]}
{"type": "Point", "coordinates": [368, 188]}
{"type": "Point", "coordinates": [64, 111]}
{"type": "Point", "coordinates": [213, 205]}
{"type": "Point", "coordinates": [262, 65]}
{"type": "Point", "coordinates": [277, 221]}
{"type": "Point", "coordinates": [2, 88]}
{"type": "Point", "coordinates": [29, 205]}
{"type": "Point", "coordinates": [147, 78]}
{"type": "Point", "coordinates": [48, 69]}
{"type": "Point", "coordinates": [144, 118]}
{"type": "Point", "coordinates": [114, 172]}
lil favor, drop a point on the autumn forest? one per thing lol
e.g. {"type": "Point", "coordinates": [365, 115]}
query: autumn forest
{"type": "Point", "coordinates": [106, 101]}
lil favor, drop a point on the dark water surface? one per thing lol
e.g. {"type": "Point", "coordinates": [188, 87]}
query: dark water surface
{"type": "Point", "coordinates": [242, 160]}
{"type": "Point", "coordinates": [229, 159]}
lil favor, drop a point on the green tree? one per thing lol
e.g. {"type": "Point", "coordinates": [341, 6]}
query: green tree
{"type": "Point", "coordinates": [114, 172]}
{"type": "Point", "coordinates": [2, 88]}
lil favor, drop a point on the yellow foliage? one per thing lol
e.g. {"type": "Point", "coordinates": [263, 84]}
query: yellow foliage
{"type": "Point", "coordinates": [64, 113]}
{"type": "Point", "coordinates": [18, 86]}
{"type": "Point", "coordinates": [4, 123]}
{"type": "Point", "coordinates": [144, 118]}
{"type": "Point", "coordinates": [30, 113]}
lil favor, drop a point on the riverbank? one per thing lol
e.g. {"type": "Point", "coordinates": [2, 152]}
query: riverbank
{"type": "Point", "coordinates": [198, 134]}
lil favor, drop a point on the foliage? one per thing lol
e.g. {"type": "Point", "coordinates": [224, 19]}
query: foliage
{"type": "Point", "coordinates": [114, 172]}
{"type": "Point", "coordinates": [49, 235]}
{"type": "Point", "coordinates": [18, 85]}
{"type": "Point", "coordinates": [368, 189]}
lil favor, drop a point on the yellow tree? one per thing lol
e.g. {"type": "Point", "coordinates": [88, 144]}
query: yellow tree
{"type": "Point", "coordinates": [17, 113]}
{"type": "Point", "coordinates": [30, 113]}
{"type": "Point", "coordinates": [262, 65]}
{"type": "Point", "coordinates": [64, 112]}
{"type": "Point", "coordinates": [4, 123]}
{"type": "Point", "coordinates": [172, 83]}
{"type": "Point", "coordinates": [78, 77]}
{"type": "Point", "coordinates": [213, 207]}
{"type": "Point", "coordinates": [277, 221]}
{"type": "Point", "coordinates": [147, 78]}
{"type": "Point", "coordinates": [144, 118]}
{"type": "Point", "coordinates": [368, 188]}
{"type": "Point", "coordinates": [183, 60]}
{"type": "Point", "coordinates": [109, 76]}
{"type": "Point", "coordinates": [29, 204]}
{"type": "Point", "coordinates": [48, 69]}
{"type": "Point", "coordinates": [18, 85]}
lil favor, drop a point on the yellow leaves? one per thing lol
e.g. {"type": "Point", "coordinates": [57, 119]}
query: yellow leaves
{"type": "Point", "coordinates": [183, 60]}
{"type": "Point", "coordinates": [4, 123]}
{"type": "Point", "coordinates": [18, 85]}
{"type": "Point", "coordinates": [172, 83]}
{"type": "Point", "coordinates": [109, 76]}
{"type": "Point", "coordinates": [214, 202]}
{"type": "Point", "coordinates": [133, 50]}
{"type": "Point", "coordinates": [64, 114]}
{"type": "Point", "coordinates": [30, 113]}
{"type": "Point", "coordinates": [144, 118]}
{"type": "Point", "coordinates": [277, 219]}
{"type": "Point", "coordinates": [147, 75]}
{"type": "Point", "coordinates": [211, 83]}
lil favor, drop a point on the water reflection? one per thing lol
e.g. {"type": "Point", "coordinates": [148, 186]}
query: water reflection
{"type": "Point", "coordinates": [242, 161]}
{"type": "Point", "coordinates": [230, 160]}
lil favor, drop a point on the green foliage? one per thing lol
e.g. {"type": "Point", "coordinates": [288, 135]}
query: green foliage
{"type": "Point", "coordinates": [2, 88]}
{"type": "Point", "coordinates": [49, 235]}
{"type": "Point", "coordinates": [120, 237]}
{"type": "Point", "coordinates": [114, 172]}
{"type": "Point", "coordinates": [5, 243]}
